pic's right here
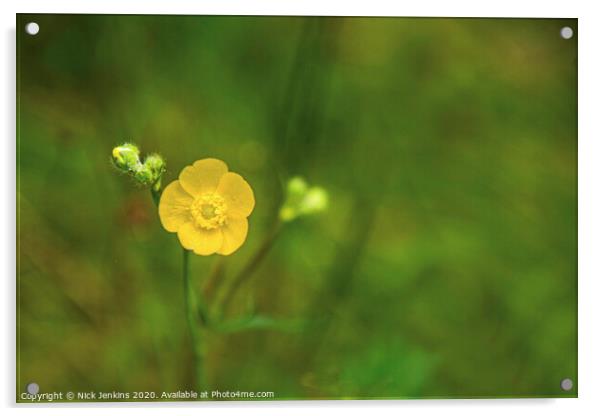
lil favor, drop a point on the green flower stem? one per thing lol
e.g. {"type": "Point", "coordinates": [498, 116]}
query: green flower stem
{"type": "Point", "coordinates": [156, 194]}
{"type": "Point", "coordinates": [196, 313]}
{"type": "Point", "coordinates": [193, 306]}
{"type": "Point", "coordinates": [248, 270]}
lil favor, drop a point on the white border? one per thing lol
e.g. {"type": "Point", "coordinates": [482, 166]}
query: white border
{"type": "Point", "coordinates": [590, 202]}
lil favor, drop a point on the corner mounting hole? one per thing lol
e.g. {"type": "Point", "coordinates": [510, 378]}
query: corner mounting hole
{"type": "Point", "coordinates": [32, 28]}
{"type": "Point", "coordinates": [566, 384]}
{"type": "Point", "coordinates": [566, 32]}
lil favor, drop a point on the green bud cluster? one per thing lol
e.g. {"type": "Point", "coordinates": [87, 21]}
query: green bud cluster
{"type": "Point", "coordinates": [302, 200]}
{"type": "Point", "coordinates": [126, 158]}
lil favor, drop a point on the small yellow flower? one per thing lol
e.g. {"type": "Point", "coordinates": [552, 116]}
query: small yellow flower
{"type": "Point", "coordinates": [208, 208]}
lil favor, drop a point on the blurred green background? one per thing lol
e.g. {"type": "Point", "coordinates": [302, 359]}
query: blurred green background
{"type": "Point", "coordinates": [446, 265]}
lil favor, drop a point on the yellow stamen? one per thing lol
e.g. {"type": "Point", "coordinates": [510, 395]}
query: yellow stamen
{"type": "Point", "coordinates": [209, 211]}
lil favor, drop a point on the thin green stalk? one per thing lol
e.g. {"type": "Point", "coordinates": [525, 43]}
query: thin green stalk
{"type": "Point", "coordinates": [196, 314]}
{"type": "Point", "coordinates": [192, 308]}
{"type": "Point", "coordinates": [248, 270]}
{"type": "Point", "coordinates": [156, 194]}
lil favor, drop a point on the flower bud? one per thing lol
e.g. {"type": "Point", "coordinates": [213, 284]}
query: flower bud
{"type": "Point", "coordinates": [296, 187]}
{"type": "Point", "coordinates": [302, 200]}
{"type": "Point", "coordinates": [144, 175]}
{"type": "Point", "coordinates": [316, 200]}
{"type": "Point", "coordinates": [126, 157]}
{"type": "Point", "coordinates": [287, 213]}
{"type": "Point", "coordinates": [156, 164]}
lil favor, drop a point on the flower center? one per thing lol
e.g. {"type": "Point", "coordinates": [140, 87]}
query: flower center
{"type": "Point", "coordinates": [209, 211]}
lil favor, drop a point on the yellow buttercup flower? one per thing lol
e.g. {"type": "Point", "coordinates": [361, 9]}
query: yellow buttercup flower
{"type": "Point", "coordinates": [208, 207]}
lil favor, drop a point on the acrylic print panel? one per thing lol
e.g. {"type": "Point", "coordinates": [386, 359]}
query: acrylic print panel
{"type": "Point", "coordinates": [275, 208]}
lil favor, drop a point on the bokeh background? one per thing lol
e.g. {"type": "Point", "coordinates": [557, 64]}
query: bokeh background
{"type": "Point", "coordinates": [446, 265]}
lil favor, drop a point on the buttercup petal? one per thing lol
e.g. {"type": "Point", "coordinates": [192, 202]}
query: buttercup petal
{"type": "Point", "coordinates": [235, 233]}
{"type": "Point", "coordinates": [238, 195]}
{"type": "Point", "coordinates": [201, 241]}
{"type": "Point", "coordinates": [203, 176]}
{"type": "Point", "coordinates": [174, 207]}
